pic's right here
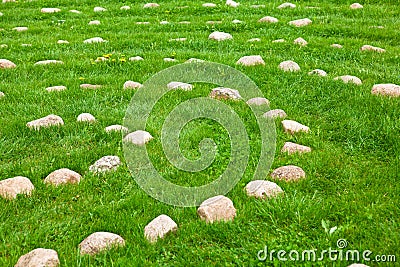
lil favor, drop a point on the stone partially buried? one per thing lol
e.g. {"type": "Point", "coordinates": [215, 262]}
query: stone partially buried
{"type": "Point", "coordinates": [105, 164]}
{"type": "Point", "coordinates": [218, 208]}
{"type": "Point", "coordinates": [159, 228]}
{"type": "Point", "coordinates": [63, 176]}
{"type": "Point", "coordinates": [39, 257]}
{"type": "Point", "coordinates": [288, 173]}
{"type": "Point", "coordinates": [263, 189]}
{"type": "Point", "coordinates": [99, 242]}
{"type": "Point", "coordinates": [50, 120]}
{"type": "Point", "coordinates": [11, 187]}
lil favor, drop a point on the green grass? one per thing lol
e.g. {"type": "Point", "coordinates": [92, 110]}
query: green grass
{"type": "Point", "coordinates": [352, 172]}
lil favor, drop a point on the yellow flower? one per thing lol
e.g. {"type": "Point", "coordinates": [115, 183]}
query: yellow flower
{"type": "Point", "coordinates": [122, 60]}
{"type": "Point", "coordinates": [81, 78]}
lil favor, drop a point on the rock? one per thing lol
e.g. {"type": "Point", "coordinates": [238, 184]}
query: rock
{"type": "Point", "coordinates": [337, 46]}
{"type": "Point", "coordinates": [20, 29]}
{"type": "Point", "coordinates": [1, 14]}
{"type": "Point", "coordinates": [254, 40]}
{"type": "Point", "coordinates": [251, 61]}
{"type": "Point", "coordinates": [151, 5]}
{"type": "Point", "coordinates": [232, 3]}
{"type": "Point", "coordinates": [63, 176]}
{"type": "Point", "coordinates": [318, 72]}
{"type": "Point", "coordinates": [168, 59]}
{"type": "Point", "coordinates": [50, 120]}
{"type": "Point", "coordinates": [355, 6]}
{"type": "Point", "coordinates": [132, 85]}
{"type": "Point", "coordinates": [164, 22]}
{"type": "Point", "coordinates": [50, 10]}
{"type": "Point", "coordinates": [209, 5]}
{"type": "Point", "coordinates": [263, 189]}
{"type": "Point", "coordinates": [268, 19]}
{"type": "Point", "coordinates": [105, 164]}
{"type": "Point", "coordinates": [218, 208]}
{"type": "Point", "coordinates": [138, 137]}
{"type": "Point", "coordinates": [90, 86]}
{"type": "Point", "coordinates": [101, 59]}
{"type": "Point", "coordinates": [257, 6]}
{"type": "Point", "coordinates": [236, 21]}
{"type": "Point", "coordinates": [288, 173]}
{"type": "Point", "coordinates": [3, 46]}
{"type": "Point", "coordinates": [213, 22]}
{"type": "Point", "coordinates": [372, 48]}
{"type": "Point", "coordinates": [11, 187]}
{"type": "Point", "coordinates": [258, 101]}
{"type": "Point", "coordinates": [86, 117]}
{"type": "Point", "coordinates": [159, 227]}
{"type": "Point", "coordinates": [300, 22]}
{"type": "Point", "coordinates": [357, 265]}
{"type": "Point", "coordinates": [178, 40]}
{"type": "Point", "coordinates": [6, 64]}
{"type": "Point", "coordinates": [279, 41]}
{"type": "Point", "coordinates": [125, 7]}
{"type": "Point", "coordinates": [62, 42]}
{"type": "Point", "coordinates": [220, 36]}
{"type": "Point", "coordinates": [377, 27]}
{"type": "Point", "coordinates": [7, 1]}
{"type": "Point", "coordinates": [94, 22]}
{"type": "Point", "coordinates": [180, 85]}
{"type": "Point", "coordinates": [225, 93]}
{"type": "Point", "coordinates": [349, 79]}
{"type": "Point", "coordinates": [294, 127]}
{"type": "Point", "coordinates": [116, 128]}
{"type": "Point", "coordinates": [184, 22]}
{"type": "Point", "coordinates": [94, 40]}
{"type": "Point", "coordinates": [25, 45]}
{"type": "Point", "coordinates": [56, 88]}
{"type": "Point", "coordinates": [47, 62]}
{"type": "Point", "coordinates": [39, 257]}
{"type": "Point", "coordinates": [99, 242]}
{"type": "Point", "coordinates": [300, 41]}
{"type": "Point", "coordinates": [388, 89]}
{"type": "Point", "coordinates": [99, 9]}
{"type": "Point", "coordinates": [292, 148]}
{"type": "Point", "coordinates": [287, 5]}
{"type": "Point", "coordinates": [75, 11]}
{"type": "Point", "coordinates": [142, 23]}
{"type": "Point", "coordinates": [137, 58]}
{"type": "Point", "coordinates": [2, 94]}
{"type": "Point", "coordinates": [194, 60]}
{"type": "Point", "coordinates": [289, 66]}
{"type": "Point", "coordinates": [275, 113]}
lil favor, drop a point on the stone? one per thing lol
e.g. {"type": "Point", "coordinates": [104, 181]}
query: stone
{"type": "Point", "coordinates": [236, 21]}
{"type": "Point", "coordinates": [7, 64]}
{"type": "Point", "coordinates": [213, 22]}
{"type": "Point", "coordinates": [263, 189]}
{"type": "Point", "coordinates": [132, 85]}
{"type": "Point", "coordinates": [274, 114]}
{"type": "Point", "coordinates": [225, 93]}
{"type": "Point", "coordinates": [89, 86]}
{"type": "Point", "coordinates": [257, 6]}
{"type": "Point", "coordinates": [292, 148]}
{"type": "Point", "coordinates": [105, 164]}
{"type": "Point", "coordinates": [75, 11]}
{"type": "Point", "coordinates": [101, 59]}
{"type": "Point", "coordinates": [136, 58]}
{"type": "Point", "coordinates": [168, 59]}
{"type": "Point", "coordinates": [151, 5]}
{"type": "Point", "coordinates": [388, 89]}
{"type": "Point", "coordinates": [56, 88]}
{"type": "Point", "coordinates": [116, 128]}
{"type": "Point", "coordinates": [11, 187]}
{"type": "Point", "coordinates": [99, 9]}
{"type": "Point", "coordinates": [279, 41]}
{"type": "Point", "coordinates": [268, 19]}
{"type": "Point", "coordinates": [180, 85]}
{"type": "Point", "coordinates": [63, 176]}
{"type": "Point", "coordinates": [20, 29]}
{"type": "Point", "coordinates": [289, 65]}
{"type": "Point", "coordinates": [194, 60]}
{"type": "Point", "coordinates": [39, 257]}
{"type": "Point", "coordinates": [337, 46]}
{"type": "Point", "coordinates": [50, 10]}
{"type": "Point", "coordinates": [94, 22]}
{"type": "Point", "coordinates": [356, 6]}
{"type": "Point", "coordinates": [86, 117]}
{"type": "Point", "coordinates": [184, 22]}
{"type": "Point", "coordinates": [7, 1]}
{"type": "Point", "coordinates": [294, 127]}
{"type": "Point", "coordinates": [357, 265]}
{"type": "Point", "coordinates": [349, 79]}
{"type": "Point", "coordinates": [47, 62]}
{"type": "Point", "coordinates": [100, 242]}
{"type": "Point", "coordinates": [300, 41]}
{"type": "Point", "coordinates": [218, 208]}
{"type": "Point", "coordinates": [3, 46]}
{"type": "Point", "coordinates": [372, 48]}
{"type": "Point", "coordinates": [300, 22]}
{"type": "Point", "coordinates": [159, 228]}
{"type": "Point", "coordinates": [125, 7]}
{"type": "Point", "coordinates": [288, 173]}
{"type": "Point", "coordinates": [178, 40]}
{"type": "Point", "coordinates": [250, 61]}
{"type": "Point", "coordinates": [1, 14]}
{"type": "Point", "coordinates": [164, 22]}
{"type": "Point", "coordinates": [62, 42]}
{"type": "Point", "coordinates": [232, 3]}
{"type": "Point", "coordinates": [220, 36]}
{"type": "Point", "coordinates": [287, 5]}
{"type": "Point", "coordinates": [138, 137]}
{"type": "Point", "coordinates": [94, 40]}
{"type": "Point", "coordinates": [50, 120]}
{"type": "Point", "coordinates": [142, 23]}
{"type": "Point", "coordinates": [25, 45]}
{"type": "Point", "coordinates": [258, 101]}
{"type": "Point", "coordinates": [2, 94]}
{"type": "Point", "coordinates": [209, 5]}
{"type": "Point", "coordinates": [318, 72]}
{"type": "Point", "coordinates": [254, 40]}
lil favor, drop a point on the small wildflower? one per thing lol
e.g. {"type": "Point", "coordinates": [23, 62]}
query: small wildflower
{"type": "Point", "coordinates": [81, 78]}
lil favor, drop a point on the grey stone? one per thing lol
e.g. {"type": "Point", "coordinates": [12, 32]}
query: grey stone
{"type": "Point", "coordinates": [180, 85]}
{"type": "Point", "coordinates": [218, 208]}
{"type": "Point", "coordinates": [63, 176]}
{"type": "Point", "coordinates": [116, 128]}
{"type": "Point", "coordinates": [138, 137]}
{"type": "Point", "coordinates": [159, 228]}
{"type": "Point", "coordinates": [349, 79]}
{"type": "Point", "coordinates": [105, 164]}
{"type": "Point", "coordinates": [263, 189]}
{"type": "Point", "coordinates": [56, 88]}
{"type": "Point", "coordinates": [388, 89]}
{"type": "Point", "coordinates": [86, 117]}
{"type": "Point", "coordinates": [292, 148]}
{"type": "Point", "coordinates": [50, 120]}
{"type": "Point", "coordinates": [6, 64]}
{"type": "Point", "coordinates": [220, 36]}
{"type": "Point", "coordinates": [11, 187]}
{"type": "Point", "coordinates": [275, 113]}
{"type": "Point", "coordinates": [99, 242]}
{"type": "Point", "coordinates": [258, 101]}
{"type": "Point", "coordinates": [225, 93]}
{"type": "Point", "coordinates": [251, 61]}
{"type": "Point", "coordinates": [293, 127]}
{"type": "Point", "coordinates": [288, 173]}
{"type": "Point", "coordinates": [289, 65]}
{"type": "Point", "coordinates": [300, 22]}
{"type": "Point", "coordinates": [39, 257]}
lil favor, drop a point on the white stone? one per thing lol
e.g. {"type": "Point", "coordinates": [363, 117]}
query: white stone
{"type": "Point", "coordinates": [178, 40]}
{"type": "Point", "coordinates": [263, 189]}
{"type": "Point", "coordinates": [257, 6]}
{"type": "Point", "coordinates": [209, 5]}
{"type": "Point", "coordinates": [89, 86]}
{"type": "Point", "coordinates": [7, 64]}
{"type": "Point", "coordinates": [164, 22]}
{"type": "Point", "coordinates": [337, 46]}
{"type": "Point", "coordinates": [47, 62]}
{"type": "Point", "coordinates": [100, 241]}
{"type": "Point", "coordinates": [287, 5]}
{"type": "Point", "coordinates": [75, 11]}
{"type": "Point", "coordinates": [136, 58]}
{"type": "Point", "coordinates": [232, 3]}
{"type": "Point", "coordinates": [94, 40]}
{"type": "Point", "coordinates": [25, 45]}
{"type": "Point", "coordinates": [99, 9]}
{"type": "Point", "coordinates": [251, 61]}
{"type": "Point", "coordinates": [356, 6]}
{"type": "Point", "coordinates": [275, 113]}
{"type": "Point", "coordinates": [125, 7]}
{"type": "Point", "coordinates": [1, 14]}
{"type": "Point", "coordinates": [116, 128]}
{"type": "Point", "coordinates": [300, 41]}
{"type": "Point", "coordinates": [292, 127]}
{"type": "Point", "coordinates": [50, 10]}
{"type": "Point", "coordinates": [2, 94]}
{"type": "Point", "coordinates": [132, 85]}
{"type": "Point", "coordinates": [292, 148]}
{"type": "Point", "coordinates": [372, 48]}
{"type": "Point", "coordinates": [151, 5]}
{"type": "Point", "coordinates": [268, 19]}
{"type": "Point", "coordinates": [63, 176]}
{"type": "Point", "coordinates": [213, 22]}
{"type": "Point", "coordinates": [194, 60]}
{"type": "Point", "coordinates": [279, 41]}
{"type": "Point", "coordinates": [218, 208]}
{"type": "Point", "coordinates": [50, 120]}
{"type": "Point", "coordinates": [289, 65]}
{"type": "Point", "coordinates": [288, 173]}
{"type": "Point", "coordinates": [225, 93]}
{"type": "Point", "coordinates": [39, 257]}
{"type": "Point", "coordinates": [300, 22]}
{"type": "Point", "coordinates": [318, 72]}
{"type": "Point", "coordinates": [386, 89]}
{"type": "Point", "coordinates": [20, 29]}
{"type": "Point", "coordinates": [258, 101]}
{"type": "Point", "coordinates": [56, 88]}
{"type": "Point", "coordinates": [220, 36]}
{"type": "Point", "coordinates": [105, 164]}
{"type": "Point", "coordinates": [184, 22]}
{"type": "Point", "coordinates": [86, 117]}
{"type": "Point", "coordinates": [236, 21]}
{"type": "Point", "coordinates": [254, 40]}
{"type": "Point", "coordinates": [94, 22]}
{"type": "Point", "coordinates": [159, 228]}
{"type": "Point", "coordinates": [168, 59]}
{"type": "Point", "coordinates": [62, 42]}
{"type": "Point", "coordinates": [3, 46]}
{"type": "Point", "coordinates": [138, 137]}
{"type": "Point", "coordinates": [142, 23]}
{"type": "Point", "coordinates": [349, 79]}
{"type": "Point", "coordinates": [10, 188]}
{"type": "Point", "coordinates": [101, 59]}
{"type": "Point", "coordinates": [180, 85]}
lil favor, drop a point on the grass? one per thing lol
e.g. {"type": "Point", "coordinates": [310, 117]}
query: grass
{"type": "Point", "coordinates": [352, 173]}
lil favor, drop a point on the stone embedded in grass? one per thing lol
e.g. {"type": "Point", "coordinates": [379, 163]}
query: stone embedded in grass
{"type": "Point", "coordinates": [116, 128]}
{"type": "Point", "coordinates": [7, 1]}
{"type": "Point", "coordinates": [63, 176]}
{"type": "Point", "coordinates": [94, 22]}
{"type": "Point", "coordinates": [86, 117]}
{"type": "Point", "coordinates": [125, 7]}
{"type": "Point", "coordinates": [39, 257]}
{"type": "Point", "coordinates": [212, 22]}
{"type": "Point", "coordinates": [288, 173]}
{"type": "Point", "coordinates": [274, 114]}
{"type": "Point", "coordinates": [349, 79]}
{"type": "Point", "coordinates": [372, 48]}
{"type": "Point", "coordinates": [11, 187]}
{"type": "Point", "coordinates": [101, 59]}
{"type": "Point", "coordinates": [287, 5]}
{"type": "Point", "coordinates": [151, 5]}
{"type": "Point", "coordinates": [293, 127]}
{"type": "Point", "coordinates": [292, 148]}
{"type": "Point", "coordinates": [2, 94]}
{"type": "Point", "coordinates": [132, 85]}
{"type": "Point", "coordinates": [7, 64]}
{"type": "Point", "coordinates": [178, 40]}
{"type": "Point", "coordinates": [218, 208]}
{"type": "Point", "coordinates": [75, 11]}
{"type": "Point", "coordinates": [232, 3]}
{"type": "Point", "coordinates": [357, 265]}
{"type": "Point", "coordinates": [99, 242]}
{"type": "Point", "coordinates": [99, 9]}
{"type": "Point", "coordinates": [142, 23]}
{"type": "Point", "coordinates": [89, 86]}
{"type": "Point", "coordinates": [50, 10]}
{"type": "Point", "coordinates": [251, 61]}
{"type": "Point", "coordinates": [236, 21]}
{"type": "Point", "coordinates": [20, 29]}
{"type": "Point", "coordinates": [48, 121]}
{"type": "Point", "coordinates": [258, 101]}
{"type": "Point", "coordinates": [356, 6]}
{"type": "Point", "coordinates": [62, 42]}
{"type": "Point", "coordinates": [300, 41]}
{"type": "Point", "coordinates": [279, 41]}
{"type": "Point", "coordinates": [194, 60]}
{"type": "Point", "coordinates": [26, 45]}
{"type": "Point", "coordinates": [300, 22]}
{"type": "Point", "coordinates": [1, 14]}
{"type": "Point", "coordinates": [105, 164]}
{"type": "Point", "coordinates": [94, 40]}
{"type": "Point", "coordinates": [56, 88]}
{"type": "Point", "coordinates": [136, 58]}
{"type": "Point", "coordinates": [138, 137]}
{"type": "Point", "coordinates": [254, 40]}
{"type": "Point", "coordinates": [159, 228]}
{"type": "Point", "coordinates": [337, 46]}
{"type": "Point", "coordinates": [3, 46]}
{"type": "Point", "coordinates": [268, 19]}
{"type": "Point", "coordinates": [289, 65]}
{"type": "Point", "coordinates": [209, 5]}
{"type": "Point", "coordinates": [257, 6]}
{"type": "Point", "coordinates": [184, 22]}
{"type": "Point", "coordinates": [220, 36]}
{"type": "Point", "coordinates": [263, 189]}
{"type": "Point", "coordinates": [164, 22]}
{"type": "Point", "coordinates": [318, 72]}
{"type": "Point", "coordinates": [388, 89]}
{"type": "Point", "coordinates": [180, 85]}
{"type": "Point", "coordinates": [225, 93]}
{"type": "Point", "coordinates": [168, 59]}
{"type": "Point", "coordinates": [47, 62]}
